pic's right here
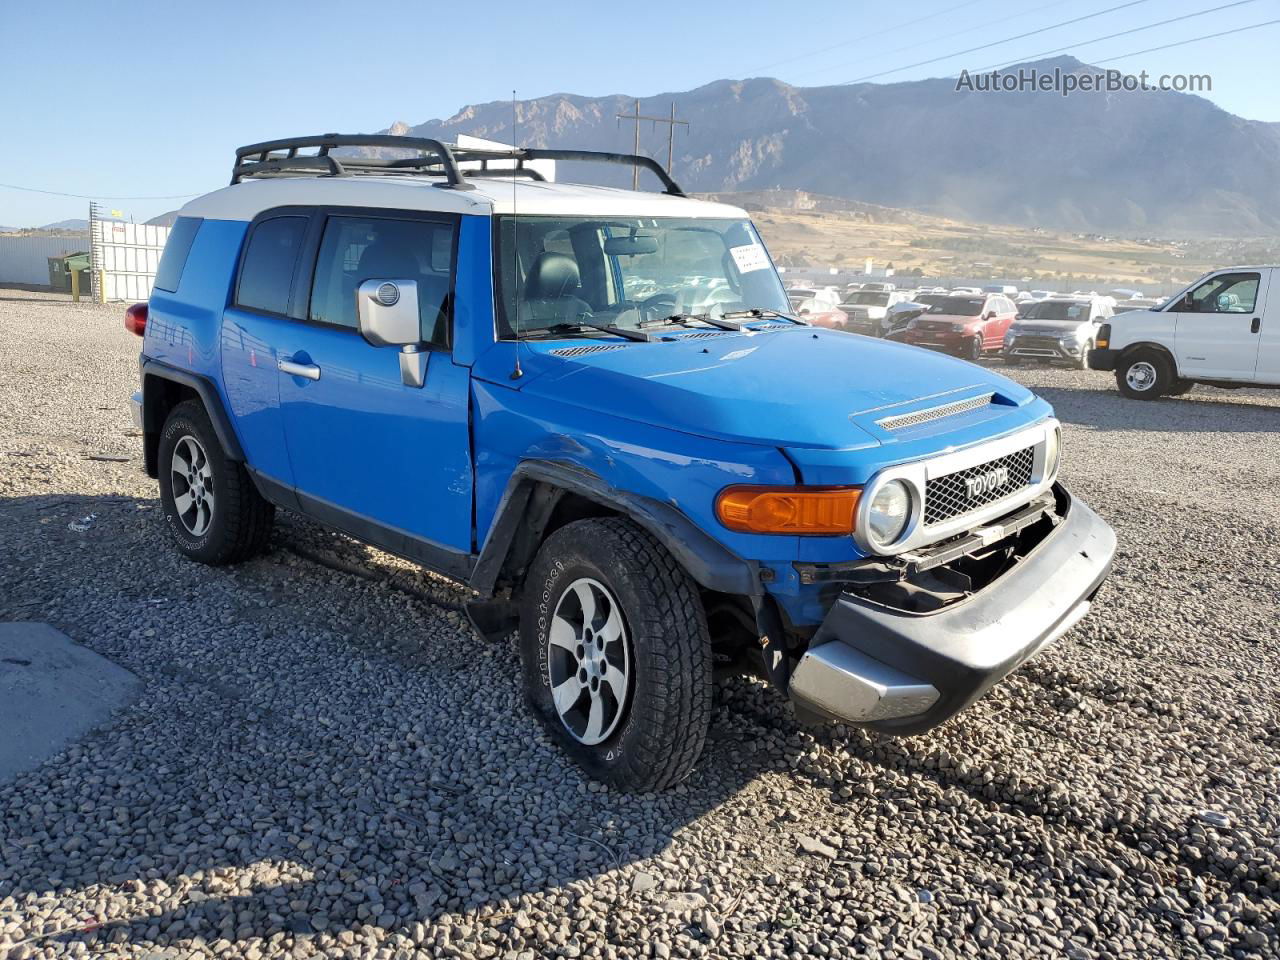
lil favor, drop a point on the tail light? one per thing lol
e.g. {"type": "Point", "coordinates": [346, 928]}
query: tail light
{"type": "Point", "coordinates": [135, 319]}
{"type": "Point", "coordinates": [1103, 339]}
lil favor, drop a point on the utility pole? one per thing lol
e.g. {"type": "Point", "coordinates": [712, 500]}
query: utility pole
{"type": "Point", "coordinates": [671, 123]}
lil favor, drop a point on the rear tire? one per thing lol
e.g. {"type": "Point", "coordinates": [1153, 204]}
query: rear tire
{"type": "Point", "coordinates": [211, 506]}
{"type": "Point", "coordinates": [1145, 375]}
{"type": "Point", "coordinates": [606, 602]}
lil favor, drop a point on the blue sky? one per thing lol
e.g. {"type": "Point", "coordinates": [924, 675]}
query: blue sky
{"type": "Point", "coordinates": [150, 98]}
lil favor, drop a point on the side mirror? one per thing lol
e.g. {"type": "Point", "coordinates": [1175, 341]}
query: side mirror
{"type": "Point", "coordinates": [387, 311]}
{"type": "Point", "coordinates": [989, 315]}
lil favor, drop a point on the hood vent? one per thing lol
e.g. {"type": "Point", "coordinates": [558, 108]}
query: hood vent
{"type": "Point", "coordinates": [583, 351]}
{"type": "Point", "coordinates": [706, 334]}
{"type": "Point", "coordinates": [915, 418]}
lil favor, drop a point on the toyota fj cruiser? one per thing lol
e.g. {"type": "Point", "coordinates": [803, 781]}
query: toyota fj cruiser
{"type": "Point", "coordinates": [595, 408]}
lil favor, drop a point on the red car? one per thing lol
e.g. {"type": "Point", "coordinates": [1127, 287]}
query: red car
{"type": "Point", "coordinates": [964, 325]}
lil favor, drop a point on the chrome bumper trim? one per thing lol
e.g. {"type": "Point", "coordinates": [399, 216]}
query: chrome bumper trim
{"type": "Point", "coordinates": [837, 680]}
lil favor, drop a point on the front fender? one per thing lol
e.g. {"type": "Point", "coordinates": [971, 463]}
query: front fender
{"type": "Point", "coordinates": [531, 495]}
{"type": "Point", "coordinates": [665, 479]}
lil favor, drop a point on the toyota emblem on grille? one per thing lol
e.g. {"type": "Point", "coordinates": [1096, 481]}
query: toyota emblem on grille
{"type": "Point", "coordinates": [984, 483]}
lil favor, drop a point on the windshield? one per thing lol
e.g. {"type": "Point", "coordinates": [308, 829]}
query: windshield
{"type": "Point", "coordinates": [959, 306]}
{"type": "Point", "coordinates": [558, 272]}
{"type": "Point", "coordinates": [1056, 310]}
{"type": "Point", "coordinates": [869, 299]}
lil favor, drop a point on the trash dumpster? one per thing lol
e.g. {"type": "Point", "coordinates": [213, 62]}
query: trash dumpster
{"type": "Point", "coordinates": [61, 269]}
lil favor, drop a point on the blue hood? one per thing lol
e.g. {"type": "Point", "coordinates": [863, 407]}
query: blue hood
{"type": "Point", "coordinates": [803, 387]}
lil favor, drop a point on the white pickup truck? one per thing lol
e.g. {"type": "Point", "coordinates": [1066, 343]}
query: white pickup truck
{"type": "Point", "coordinates": [1223, 330]}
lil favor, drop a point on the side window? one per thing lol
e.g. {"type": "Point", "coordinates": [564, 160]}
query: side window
{"type": "Point", "coordinates": [1226, 293]}
{"type": "Point", "coordinates": [266, 273]}
{"type": "Point", "coordinates": [356, 249]}
{"type": "Point", "coordinates": [176, 250]}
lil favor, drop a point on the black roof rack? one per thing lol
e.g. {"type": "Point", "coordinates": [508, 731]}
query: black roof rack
{"type": "Point", "coordinates": [281, 158]}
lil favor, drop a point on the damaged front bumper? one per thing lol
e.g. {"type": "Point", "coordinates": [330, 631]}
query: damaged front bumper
{"type": "Point", "coordinates": [905, 672]}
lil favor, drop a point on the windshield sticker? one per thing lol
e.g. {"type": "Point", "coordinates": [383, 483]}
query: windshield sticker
{"type": "Point", "coordinates": [750, 257]}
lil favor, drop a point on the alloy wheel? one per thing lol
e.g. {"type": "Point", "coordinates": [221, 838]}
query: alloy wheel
{"type": "Point", "coordinates": [589, 661]}
{"type": "Point", "coordinates": [192, 483]}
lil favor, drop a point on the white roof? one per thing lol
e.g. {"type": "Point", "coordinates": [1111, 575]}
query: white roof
{"type": "Point", "coordinates": [491, 195]}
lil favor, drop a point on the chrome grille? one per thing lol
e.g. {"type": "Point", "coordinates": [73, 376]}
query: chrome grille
{"type": "Point", "coordinates": [947, 496]}
{"type": "Point", "coordinates": [904, 420]}
{"type": "Point", "coordinates": [583, 351]}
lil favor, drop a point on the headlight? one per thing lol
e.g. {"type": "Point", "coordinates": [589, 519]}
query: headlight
{"type": "Point", "coordinates": [1052, 453]}
{"type": "Point", "coordinates": [889, 512]}
{"type": "Point", "coordinates": [958, 327]}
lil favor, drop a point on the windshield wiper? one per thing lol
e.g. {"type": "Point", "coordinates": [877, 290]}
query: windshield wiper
{"type": "Point", "coordinates": [686, 318]}
{"type": "Point", "coordinates": [580, 325]}
{"type": "Point", "coordinates": [757, 314]}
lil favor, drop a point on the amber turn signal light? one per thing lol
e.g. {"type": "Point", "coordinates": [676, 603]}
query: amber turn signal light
{"type": "Point", "coordinates": [795, 510]}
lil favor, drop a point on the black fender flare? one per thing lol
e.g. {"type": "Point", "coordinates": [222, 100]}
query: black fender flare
{"type": "Point", "coordinates": [153, 413]}
{"type": "Point", "coordinates": [536, 486]}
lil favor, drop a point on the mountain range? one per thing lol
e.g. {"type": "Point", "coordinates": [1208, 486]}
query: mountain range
{"type": "Point", "coordinates": [1136, 163]}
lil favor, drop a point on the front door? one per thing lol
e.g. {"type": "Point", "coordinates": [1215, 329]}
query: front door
{"type": "Point", "coordinates": [388, 462]}
{"type": "Point", "coordinates": [1218, 326]}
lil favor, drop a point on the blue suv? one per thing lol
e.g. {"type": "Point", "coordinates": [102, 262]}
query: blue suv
{"type": "Point", "coordinates": [594, 407]}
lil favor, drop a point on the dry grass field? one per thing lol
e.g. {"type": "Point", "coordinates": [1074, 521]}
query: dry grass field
{"type": "Point", "coordinates": [939, 247]}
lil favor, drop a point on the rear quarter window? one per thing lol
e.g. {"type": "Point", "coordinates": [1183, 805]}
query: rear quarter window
{"type": "Point", "coordinates": [266, 272]}
{"type": "Point", "coordinates": [176, 250]}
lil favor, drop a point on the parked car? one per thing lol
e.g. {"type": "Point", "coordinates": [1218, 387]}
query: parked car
{"type": "Point", "coordinates": [1222, 330]}
{"type": "Point", "coordinates": [1007, 289]}
{"type": "Point", "coordinates": [1136, 303]}
{"type": "Point", "coordinates": [878, 285]}
{"type": "Point", "coordinates": [967, 326]}
{"type": "Point", "coordinates": [868, 311]}
{"type": "Point", "coordinates": [1058, 330]}
{"type": "Point", "coordinates": [800, 295]}
{"type": "Point", "coordinates": [642, 490]}
{"type": "Point", "coordinates": [966, 292]}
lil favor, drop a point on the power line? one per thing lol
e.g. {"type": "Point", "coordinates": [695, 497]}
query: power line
{"type": "Point", "coordinates": [1183, 43]}
{"type": "Point", "coordinates": [82, 196]}
{"type": "Point", "coordinates": [868, 36]}
{"type": "Point", "coordinates": [881, 54]}
{"type": "Point", "coordinates": [996, 43]}
{"type": "Point", "coordinates": [1122, 33]}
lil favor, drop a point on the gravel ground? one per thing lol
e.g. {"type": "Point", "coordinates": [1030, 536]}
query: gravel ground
{"type": "Point", "coordinates": [326, 761]}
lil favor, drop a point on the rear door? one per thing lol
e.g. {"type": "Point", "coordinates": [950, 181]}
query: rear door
{"type": "Point", "coordinates": [252, 330]}
{"type": "Point", "coordinates": [1218, 326]}
{"type": "Point", "coordinates": [385, 461]}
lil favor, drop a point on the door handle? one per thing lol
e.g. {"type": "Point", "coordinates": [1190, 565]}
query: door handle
{"type": "Point", "coordinates": [308, 370]}
{"type": "Point", "coordinates": [1256, 325]}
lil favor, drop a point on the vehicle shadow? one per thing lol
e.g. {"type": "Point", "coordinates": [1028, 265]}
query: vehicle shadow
{"type": "Point", "coordinates": [327, 781]}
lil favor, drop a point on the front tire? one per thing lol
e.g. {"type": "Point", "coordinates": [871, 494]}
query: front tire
{"type": "Point", "coordinates": [211, 506]}
{"type": "Point", "coordinates": [1082, 362]}
{"type": "Point", "coordinates": [616, 654]}
{"type": "Point", "coordinates": [1145, 375]}
{"type": "Point", "coordinates": [974, 350]}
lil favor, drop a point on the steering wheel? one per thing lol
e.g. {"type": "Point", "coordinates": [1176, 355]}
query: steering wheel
{"type": "Point", "coordinates": [659, 306]}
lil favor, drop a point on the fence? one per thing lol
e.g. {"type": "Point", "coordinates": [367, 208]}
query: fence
{"type": "Point", "coordinates": [123, 257]}
{"type": "Point", "coordinates": [25, 259]}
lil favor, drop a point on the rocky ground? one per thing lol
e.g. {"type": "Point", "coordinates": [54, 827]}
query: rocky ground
{"type": "Point", "coordinates": [327, 761]}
